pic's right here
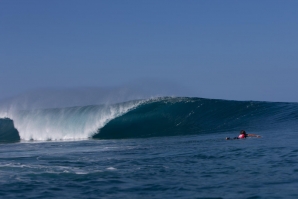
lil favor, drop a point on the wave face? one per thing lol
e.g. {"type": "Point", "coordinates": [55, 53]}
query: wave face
{"type": "Point", "coordinates": [180, 116]}
{"type": "Point", "coordinates": [155, 117]}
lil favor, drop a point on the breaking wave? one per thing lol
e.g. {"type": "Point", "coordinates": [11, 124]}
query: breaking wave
{"type": "Point", "coordinates": [155, 117]}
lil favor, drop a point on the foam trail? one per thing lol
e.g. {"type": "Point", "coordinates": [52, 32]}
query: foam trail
{"type": "Point", "coordinates": [66, 123]}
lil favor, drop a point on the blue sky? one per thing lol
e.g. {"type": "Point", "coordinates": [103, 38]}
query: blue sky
{"type": "Point", "coordinates": [241, 50]}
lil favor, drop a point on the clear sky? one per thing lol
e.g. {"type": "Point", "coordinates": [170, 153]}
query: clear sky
{"type": "Point", "coordinates": [241, 50]}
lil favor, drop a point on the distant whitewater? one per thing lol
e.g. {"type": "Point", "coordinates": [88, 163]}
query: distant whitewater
{"type": "Point", "coordinates": [165, 116]}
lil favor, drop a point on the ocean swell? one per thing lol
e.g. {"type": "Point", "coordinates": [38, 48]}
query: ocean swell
{"type": "Point", "coordinates": [165, 116]}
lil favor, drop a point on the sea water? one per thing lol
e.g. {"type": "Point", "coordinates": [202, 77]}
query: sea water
{"type": "Point", "coordinates": [181, 154]}
{"type": "Point", "coordinates": [196, 166]}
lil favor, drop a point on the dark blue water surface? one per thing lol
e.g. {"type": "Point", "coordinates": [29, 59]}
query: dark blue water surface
{"type": "Point", "coordinates": [190, 166]}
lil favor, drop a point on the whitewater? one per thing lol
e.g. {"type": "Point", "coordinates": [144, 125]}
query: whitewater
{"type": "Point", "coordinates": [71, 123]}
{"type": "Point", "coordinates": [167, 147]}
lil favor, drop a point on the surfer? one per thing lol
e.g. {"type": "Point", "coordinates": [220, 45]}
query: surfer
{"type": "Point", "coordinates": [243, 135]}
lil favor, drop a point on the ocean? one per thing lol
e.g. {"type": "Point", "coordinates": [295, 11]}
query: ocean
{"type": "Point", "coordinates": [169, 147]}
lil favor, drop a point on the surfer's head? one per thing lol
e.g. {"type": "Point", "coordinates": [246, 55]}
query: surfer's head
{"type": "Point", "coordinates": [242, 134]}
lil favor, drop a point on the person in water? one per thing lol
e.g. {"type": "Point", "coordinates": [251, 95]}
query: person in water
{"type": "Point", "coordinates": [243, 135]}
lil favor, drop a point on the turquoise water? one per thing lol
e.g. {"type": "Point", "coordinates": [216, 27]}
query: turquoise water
{"type": "Point", "coordinates": [191, 166]}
